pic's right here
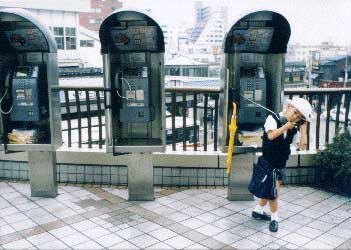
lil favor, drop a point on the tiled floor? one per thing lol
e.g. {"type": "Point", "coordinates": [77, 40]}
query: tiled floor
{"type": "Point", "coordinates": [102, 218]}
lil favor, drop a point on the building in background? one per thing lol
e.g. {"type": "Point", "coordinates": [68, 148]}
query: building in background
{"type": "Point", "coordinates": [99, 10]}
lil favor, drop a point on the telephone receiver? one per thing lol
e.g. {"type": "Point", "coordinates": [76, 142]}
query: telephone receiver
{"type": "Point", "coordinates": [284, 120]}
{"type": "Point", "coordinates": [7, 88]}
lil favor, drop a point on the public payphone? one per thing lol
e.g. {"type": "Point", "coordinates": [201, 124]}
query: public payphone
{"type": "Point", "coordinates": [30, 118]}
{"type": "Point", "coordinates": [253, 70]}
{"type": "Point", "coordinates": [252, 89]}
{"type": "Point", "coordinates": [133, 48]}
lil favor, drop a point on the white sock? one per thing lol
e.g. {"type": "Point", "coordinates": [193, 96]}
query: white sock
{"type": "Point", "coordinates": [259, 209]}
{"type": "Point", "coordinates": [274, 216]}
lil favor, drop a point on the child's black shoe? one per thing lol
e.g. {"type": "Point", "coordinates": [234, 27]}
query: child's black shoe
{"type": "Point", "coordinates": [259, 216]}
{"type": "Point", "coordinates": [273, 226]}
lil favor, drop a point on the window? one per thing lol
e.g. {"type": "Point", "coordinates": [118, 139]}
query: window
{"type": "Point", "coordinates": [59, 38]}
{"type": "Point", "coordinates": [71, 38]}
{"type": "Point", "coordinates": [86, 43]}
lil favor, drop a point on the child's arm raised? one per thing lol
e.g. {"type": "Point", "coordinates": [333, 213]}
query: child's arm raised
{"type": "Point", "coordinates": [303, 140]}
{"type": "Point", "coordinates": [272, 134]}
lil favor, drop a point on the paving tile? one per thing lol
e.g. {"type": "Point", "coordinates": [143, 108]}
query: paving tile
{"type": "Point", "coordinates": [207, 206]}
{"type": "Point", "coordinates": [289, 225]}
{"type": "Point", "coordinates": [225, 224]}
{"type": "Point", "coordinates": [178, 228]}
{"type": "Point", "coordinates": [83, 225]}
{"type": "Point", "coordinates": [178, 216]}
{"type": "Point", "coordinates": [212, 243]}
{"type": "Point", "coordinates": [19, 244]}
{"type": "Point", "coordinates": [179, 196]}
{"type": "Point", "coordinates": [148, 226]}
{"type": "Point", "coordinates": [273, 246]}
{"type": "Point", "coordinates": [40, 239]}
{"type": "Point", "coordinates": [62, 231]}
{"type": "Point", "coordinates": [6, 230]}
{"type": "Point", "coordinates": [300, 219]}
{"type": "Point", "coordinates": [320, 225]}
{"type": "Point", "coordinates": [124, 245]}
{"type": "Point", "coordinates": [331, 219]}
{"type": "Point", "coordinates": [208, 217]}
{"type": "Point", "coordinates": [109, 240]}
{"type": "Point", "coordinates": [15, 218]}
{"type": "Point", "coordinates": [262, 238]}
{"type": "Point", "coordinates": [164, 210]}
{"type": "Point", "coordinates": [222, 212]}
{"type": "Point", "coordinates": [209, 230]}
{"type": "Point", "coordinates": [245, 244]}
{"type": "Point", "coordinates": [316, 244]}
{"type": "Point", "coordinates": [296, 239]}
{"type": "Point", "coordinates": [309, 232]}
{"type": "Point", "coordinates": [197, 246]}
{"type": "Point", "coordinates": [238, 218]}
{"type": "Point", "coordinates": [165, 200]}
{"type": "Point", "coordinates": [95, 232]}
{"type": "Point", "coordinates": [25, 224]}
{"type": "Point", "coordinates": [159, 246]}
{"type": "Point", "coordinates": [178, 205]}
{"type": "Point", "coordinates": [243, 231]}
{"type": "Point", "coordinates": [340, 232]}
{"type": "Point", "coordinates": [74, 239]}
{"type": "Point", "coordinates": [54, 245]}
{"type": "Point", "coordinates": [227, 237]}
{"type": "Point", "coordinates": [193, 223]}
{"type": "Point", "coordinates": [193, 211]}
{"type": "Point", "coordinates": [129, 233]}
{"type": "Point", "coordinates": [195, 236]}
{"type": "Point", "coordinates": [162, 234]}
{"type": "Point", "coordinates": [53, 225]}
{"type": "Point", "coordinates": [144, 241]}
{"type": "Point", "coordinates": [179, 242]}
{"type": "Point", "coordinates": [331, 240]}
{"type": "Point", "coordinates": [88, 245]}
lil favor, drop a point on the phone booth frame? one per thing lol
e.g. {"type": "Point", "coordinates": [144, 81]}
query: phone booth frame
{"type": "Point", "coordinates": [119, 48]}
{"type": "Point", "coordinates": [240, 41]}
{"type": "Point", "coordinates": [42, 156]}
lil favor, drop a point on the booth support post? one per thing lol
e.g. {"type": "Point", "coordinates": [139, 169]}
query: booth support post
{"type": "Point", "coordinates": [140, 177]}
{"type": "Point", "coordinates": [240, 176]}
{"type": "Point", "coordinates": [42, 172]}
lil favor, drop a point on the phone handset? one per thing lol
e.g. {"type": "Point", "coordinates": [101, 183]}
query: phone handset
{"type": "Point", "coordinates": [123, 80]}
{"type": "Point", "coordinates": [7, 87]}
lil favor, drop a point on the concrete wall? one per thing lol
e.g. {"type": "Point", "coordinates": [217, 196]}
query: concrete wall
{"type": "Point", "coordinates": [170, 168]}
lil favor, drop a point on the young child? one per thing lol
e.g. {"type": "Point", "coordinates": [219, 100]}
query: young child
{"type": "Point", "coordinates": [277, 138]}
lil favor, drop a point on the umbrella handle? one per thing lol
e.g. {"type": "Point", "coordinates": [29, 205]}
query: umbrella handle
{"type": "Point", "coordinates": [232, 131]}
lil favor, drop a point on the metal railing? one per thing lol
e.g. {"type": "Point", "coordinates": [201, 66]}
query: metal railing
{"type": "Point", "coordinates": [81, 106]}
{"type": "Point", "coordinates": [83, 103]}
{"type": "Point", "coordinates": [208, 92]}
{"type": "Point", "coordinates": [329, 99]}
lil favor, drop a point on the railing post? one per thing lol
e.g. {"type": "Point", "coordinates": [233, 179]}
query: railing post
{"type": "Point", "coordinates": [87, 98]}
{"type": "Point", "coordinates": [194, 121]}
{"type": "Point", "coordinates": [99, 116]}
{"type": "Point", "coordinates": [347, 107]}
{"type": "Point", "coordinates": [174, 95]}
{"type": "Point", "coordinates": [184, 121]}
{"type": "Point", "coordinates": [337, 123]}
{"type": "Point", "coordinates": [68, 115]}
{"type": "Point", "coordinates": [76, 93]}
{"type": "Point", "coordinates": [318, 119]}
{"type": "Point", "coordinates": [329, 104]}
{"type": "Point", "coordinates": [216, 122]}
{"type": "Point", "coordinates": [205, 122]}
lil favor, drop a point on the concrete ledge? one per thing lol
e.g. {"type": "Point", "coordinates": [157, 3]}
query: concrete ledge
{"type": "Point", "coordinates": [193, 159]}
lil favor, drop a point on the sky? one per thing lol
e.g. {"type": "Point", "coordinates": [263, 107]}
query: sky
{"type": "Point", "coordinates": [311, 21]}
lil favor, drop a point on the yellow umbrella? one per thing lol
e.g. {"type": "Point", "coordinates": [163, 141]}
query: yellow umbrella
{"type": "Point", "coordinates": [232, 129]}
